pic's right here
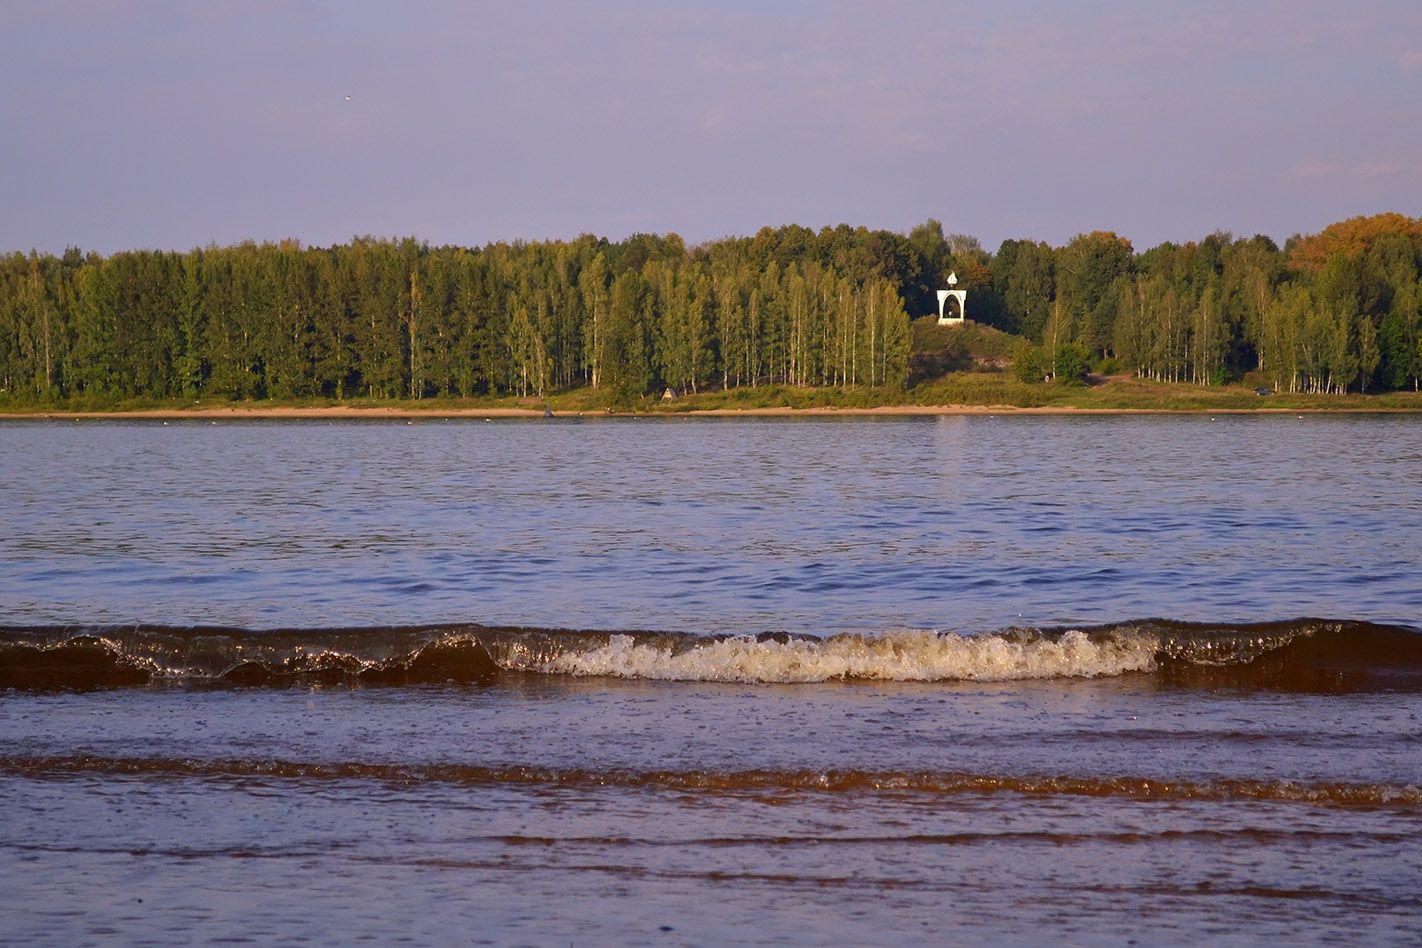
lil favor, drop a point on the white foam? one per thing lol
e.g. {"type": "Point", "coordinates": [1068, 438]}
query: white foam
{"type": "Point", "coordinates": [892, 656]}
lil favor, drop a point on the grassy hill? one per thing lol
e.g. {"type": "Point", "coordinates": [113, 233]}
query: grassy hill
{"type": "Point", "coordinates": [938, 350]}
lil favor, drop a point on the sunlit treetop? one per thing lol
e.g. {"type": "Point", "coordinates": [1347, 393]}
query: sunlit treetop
{"type": "Point", "coordinates": [1351, 238]}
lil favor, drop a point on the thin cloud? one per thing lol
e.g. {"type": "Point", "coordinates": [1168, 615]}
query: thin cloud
{"type": "Point", "coordinates": [1370, 170]}
{"type": "Point", "coordinates": [1362, 171]}
{"type": "Point", "coordinates": [1313, 168]}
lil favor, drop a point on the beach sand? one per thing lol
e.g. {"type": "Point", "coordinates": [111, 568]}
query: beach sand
{"type": "Point", "coordinates": [332, 412]}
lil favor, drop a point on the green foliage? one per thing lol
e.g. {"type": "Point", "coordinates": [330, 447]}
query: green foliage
{"type": "Point", "coordinates": [1027, 362]}
{"type": "Point", "coordinates": [789, 307]}
{"type": "Point", "coordinates": [1026, 272]}
{"type": "Point", "coordinates": [1068, 364]}
{"type": "Point", "coordinates": [381, 319]}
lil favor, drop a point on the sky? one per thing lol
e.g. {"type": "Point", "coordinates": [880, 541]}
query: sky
{"type": "Point", "coordinates": [173, 124]}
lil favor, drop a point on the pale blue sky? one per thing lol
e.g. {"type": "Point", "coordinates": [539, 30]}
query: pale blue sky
{"type": "Point", "coordinates": [174, 123]}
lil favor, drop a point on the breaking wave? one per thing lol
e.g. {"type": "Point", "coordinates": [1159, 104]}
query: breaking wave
{"type": "Point", "coordinates": [1304, 654]}
{"type": "Point", "coordinates": [892, 656]}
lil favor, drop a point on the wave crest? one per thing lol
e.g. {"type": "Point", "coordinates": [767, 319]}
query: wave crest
{"type": "Point", "coordinates": [912, 655]}
{"type": "Point", "coordinates": [1300, 655]}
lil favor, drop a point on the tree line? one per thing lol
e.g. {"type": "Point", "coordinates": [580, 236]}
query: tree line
{"type": "Point", "coordinates": [1336, 311]}
{"type": "Point", "coordinates": [398, 319]}
{"type": "Point", "coordinates": [401, 319]}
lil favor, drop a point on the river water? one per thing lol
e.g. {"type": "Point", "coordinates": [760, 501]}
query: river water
{"type": "Point", "coordinates": [1107, 679]}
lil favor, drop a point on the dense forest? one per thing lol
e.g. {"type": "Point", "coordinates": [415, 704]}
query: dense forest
{"type": "Point", "coordinates": [1332, 312]}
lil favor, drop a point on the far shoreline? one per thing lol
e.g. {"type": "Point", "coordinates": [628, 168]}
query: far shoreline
{"type": "Point", "coordinates": [379, 412]}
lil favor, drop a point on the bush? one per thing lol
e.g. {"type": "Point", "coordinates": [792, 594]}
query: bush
{"type": "Point", "coordinates": [1069, 364]}
{"type": "Point", "coordinates": [1027, 362]}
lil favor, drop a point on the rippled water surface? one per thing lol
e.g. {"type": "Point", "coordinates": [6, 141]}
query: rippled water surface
{"type": "Point", "coordinates": [609, 813]}
{"type": "Point", "coordinates": [989, 745]}
{"type": "Point", "coordinates": [701, 525]}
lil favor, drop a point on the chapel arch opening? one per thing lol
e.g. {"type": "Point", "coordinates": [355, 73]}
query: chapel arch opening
{"type": "Point", "coordinates": [952, 307]}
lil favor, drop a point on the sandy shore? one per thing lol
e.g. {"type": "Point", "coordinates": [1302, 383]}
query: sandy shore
{"type": "Point", "coordinates": [346, 412]}
{"type": "Point", "coordinates": [343, 412]}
